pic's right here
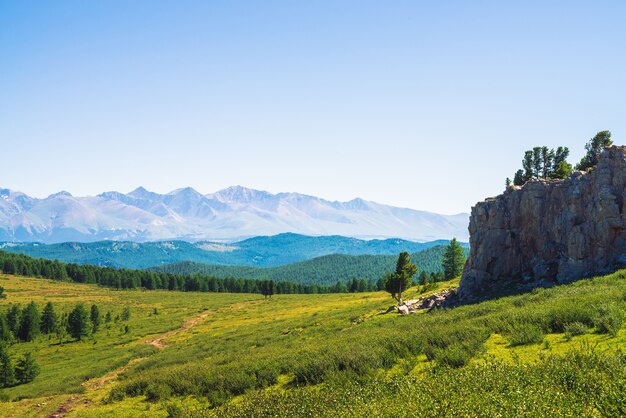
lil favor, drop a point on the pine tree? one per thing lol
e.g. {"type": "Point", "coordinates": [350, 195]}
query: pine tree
{"type": "Point", "coordinates": [107, 317]}
{"type": "Point", "coordinates": [26, 369]}
{"type": "Point", "coordinates": [78, 325]}
{"type": "Point", "coordinates": [537, 162]}
{"type": "Point", "coordinates": [29, 323]}
{"type": "Point", "coordinates": [453, 260]}
{"type": "Point", "coordinates": [547, 157]}
{"type": "Point", "coordinates": [518, 178]}
{"type": "Point", "coordinates": [7, 372]}
{"type": "Point", "coordinates": [96, 318]}
{"type": "Point", "coordinates": [2, 295]}
{"type": "Point", "coordinates": [594, 147]}
{"type": "Point", "coordinates": [49, 320]}
{"type": "Point", "coordinates": [561, 155]}
{"type": "Point", "coordinates": [527, 165]}
{"type": "Point", "coordinates": [396, 283]}
{"type": "Point", "coordinates": [562, 171]}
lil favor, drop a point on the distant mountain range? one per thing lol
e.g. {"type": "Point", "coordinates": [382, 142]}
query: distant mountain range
{"type": "Point", "coordinates": [230, 214]}
{"type": "Point", "coordinates": [262, 251]}
{"type": "Point", "coordinates": [325, 270]}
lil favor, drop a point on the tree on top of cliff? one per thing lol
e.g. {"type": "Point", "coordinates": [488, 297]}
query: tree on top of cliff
{"type": "Point", "coordinates": [453, 260]}
{"type": "Point", "coordinates": [543, 163]}
{"type": "Point", "coordinates": [396, 283]}
{"type": "Point", "coordinates": [594, 147]}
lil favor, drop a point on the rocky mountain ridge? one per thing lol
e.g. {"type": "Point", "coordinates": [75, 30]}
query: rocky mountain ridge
{"type": "Point", "coordinates": [550, 232]}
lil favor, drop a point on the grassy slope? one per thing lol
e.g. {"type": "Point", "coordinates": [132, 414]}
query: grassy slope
{"type": "Point", "coordinates": [367, 364]}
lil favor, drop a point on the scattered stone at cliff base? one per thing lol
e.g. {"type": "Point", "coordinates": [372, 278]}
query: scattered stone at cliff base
{"type": "Point", "coordinates": [550, 231]}
{"type": "Point", "coordinates": [436, 300]}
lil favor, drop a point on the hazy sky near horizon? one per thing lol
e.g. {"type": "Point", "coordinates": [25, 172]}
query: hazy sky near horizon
{"type": "Point", "coordinates": [427, 105]}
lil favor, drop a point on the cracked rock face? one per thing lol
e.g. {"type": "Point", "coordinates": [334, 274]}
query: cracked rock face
{"type": "Point", "coordinates": [550, 232]}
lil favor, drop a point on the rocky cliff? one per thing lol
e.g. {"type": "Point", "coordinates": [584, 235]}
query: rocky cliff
{"type": "Point", "coordinates": [549, 232]}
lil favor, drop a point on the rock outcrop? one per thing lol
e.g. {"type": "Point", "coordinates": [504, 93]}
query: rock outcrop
{"type": "Point", "coordinates": [550, 232]}
{"type": "Point", "coordinates": [436, 300]}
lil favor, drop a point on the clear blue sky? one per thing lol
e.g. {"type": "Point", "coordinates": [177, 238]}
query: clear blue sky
{"type": "Point", "coordinates": [428, 105]}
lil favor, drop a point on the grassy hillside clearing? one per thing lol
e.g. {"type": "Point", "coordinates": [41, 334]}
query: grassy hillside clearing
{"type": "Point", "coordinates": [548, 352]}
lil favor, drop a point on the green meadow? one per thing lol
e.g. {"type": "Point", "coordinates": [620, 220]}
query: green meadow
{"type": "Point", "coordinates": [550, 352]}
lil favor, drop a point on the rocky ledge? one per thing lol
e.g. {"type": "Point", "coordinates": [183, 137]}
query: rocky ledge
{"type": "Point", "coordinates": [549, 232]}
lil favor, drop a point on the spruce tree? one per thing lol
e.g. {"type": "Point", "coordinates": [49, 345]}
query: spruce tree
{"type": "Point", "coordinates": [78, 325]}
{"type": "Point", "coordinates": [26, 369]}
{"type": "Point", "coordinates": [5, 331]}
{"type": "Point", "coordinates": [453, 260]}
{"type": "Point", "coordinates": [29, 323]}
{"type": "Point", "coordinates": [2, 295]}
{"type": "Point", "coordinates": [7, 372]}
{"type": "Point", "coordinates": [49, 319]}
{"type": "Point", "coordinates": [13, 318]}
{"type": "Point", "coordinates": [95, 317]}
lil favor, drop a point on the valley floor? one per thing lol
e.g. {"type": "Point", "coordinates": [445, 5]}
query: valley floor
{"type": "Point", "coordinates": [550, 352]}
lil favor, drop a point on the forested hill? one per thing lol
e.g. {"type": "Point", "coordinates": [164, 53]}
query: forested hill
{"type": "Point", "coordinates": [325, 270]}
{"type": "Point", "coordinates": [265, 251]}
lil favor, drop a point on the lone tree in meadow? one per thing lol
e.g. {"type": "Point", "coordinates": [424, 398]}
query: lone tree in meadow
{"type": "Point", "coordinates": [2, 295]}
{"type": "Point", "coordinates": [78, 324]}
{"type": "Point", "coordinates": [396, 283]}
{"type": "Point", "coordinates": [453, 260]}
{"type": "Point", "coordinates": [594, 147]}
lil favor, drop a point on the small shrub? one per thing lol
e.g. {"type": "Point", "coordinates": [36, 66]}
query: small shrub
{"type": "Point", "coordinates": [455, 355]}
{"type": "Point", "coordinates": [523, 334]}
{"type": "Point", "coordinates": [574, 329]}
{"type": "Point", "coordinates": [609, 319]}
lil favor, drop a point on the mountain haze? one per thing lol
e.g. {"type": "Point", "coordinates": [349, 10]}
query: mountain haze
{"type": "Point", "coordinates": [227, 215]}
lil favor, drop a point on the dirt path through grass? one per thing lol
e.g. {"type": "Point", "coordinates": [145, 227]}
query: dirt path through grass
{"type": "Point", "coordinates": [98, 384]}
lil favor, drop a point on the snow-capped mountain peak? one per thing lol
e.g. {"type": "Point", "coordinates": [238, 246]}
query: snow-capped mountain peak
{"type": "Point", "coordinates": [229, 214]}
{"type": "Point", "coordinates": [240, 194]}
